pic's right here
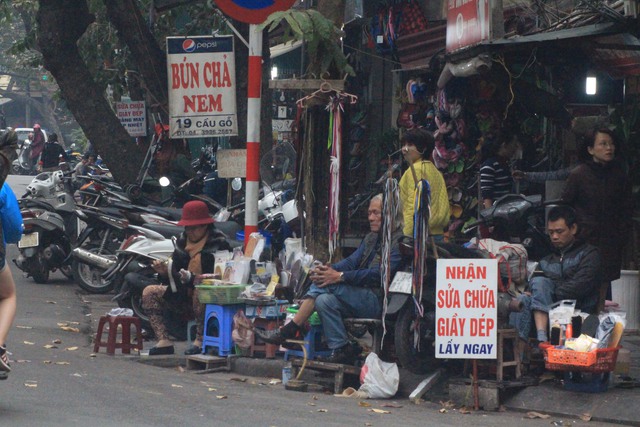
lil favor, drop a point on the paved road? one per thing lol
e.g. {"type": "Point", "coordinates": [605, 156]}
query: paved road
{"type": "Point", "coordinates": [67, 385]}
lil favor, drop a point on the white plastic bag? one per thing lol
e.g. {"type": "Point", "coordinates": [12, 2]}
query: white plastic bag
{"type": "Point", "coordinates": [379, 379]}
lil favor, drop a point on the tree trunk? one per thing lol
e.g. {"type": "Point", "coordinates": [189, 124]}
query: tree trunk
{"type": "Point", "coordinates": [149, 58]}
{"type": "Point", "coordinates": [60, 25]}
{"type": "Point", "coordinates": [316, 163]}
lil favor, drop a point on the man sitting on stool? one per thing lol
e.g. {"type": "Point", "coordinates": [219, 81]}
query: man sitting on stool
{"type": "Point", "coordinates": [572, 272]}
{"type": "Point", "coordinates": [349, 288]}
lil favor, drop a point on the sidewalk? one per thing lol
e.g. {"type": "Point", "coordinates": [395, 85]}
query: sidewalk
{"type": "Point", "coordinates": [616, 405]}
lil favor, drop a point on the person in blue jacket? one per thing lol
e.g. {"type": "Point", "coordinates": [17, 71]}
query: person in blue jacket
{"type": "Point", "coordinates": [349, 288]}
{"type": "Point", "coordinates": [11, 231]}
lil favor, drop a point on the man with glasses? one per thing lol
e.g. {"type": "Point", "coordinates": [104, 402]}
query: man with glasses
{"type": "Point", "coordinates": [349, 288]}
{"type": "Point", "coordinates": [572, 271]}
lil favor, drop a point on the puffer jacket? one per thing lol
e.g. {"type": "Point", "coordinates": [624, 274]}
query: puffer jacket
{"type": "Point", "coordinates": [439, 198]}
{"type": "Point", "coordinates": [180, 260]}
{"type": "Point", "coordinates": [576, 273]}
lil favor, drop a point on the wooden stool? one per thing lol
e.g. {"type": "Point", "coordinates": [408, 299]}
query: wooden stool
{"type": "Point", "coordinates": [259, 345]}
{"type": "Point", "coordinates": [125, 322]}
{"type": "Point", "coordinates": [508, 334]}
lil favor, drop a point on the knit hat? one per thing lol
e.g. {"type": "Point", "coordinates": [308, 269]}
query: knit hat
{"type": "Point", "coordinates": [195, 212]}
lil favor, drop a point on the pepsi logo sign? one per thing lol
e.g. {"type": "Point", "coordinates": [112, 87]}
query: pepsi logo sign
{"type": "Point", "coordinates": [189, 45]}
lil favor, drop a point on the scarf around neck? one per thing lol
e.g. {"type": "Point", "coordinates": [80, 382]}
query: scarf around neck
{"type": "Point", "coordinates": [194, 249]}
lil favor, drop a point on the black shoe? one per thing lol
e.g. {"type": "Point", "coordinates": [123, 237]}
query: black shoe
{"type": "Point", "coordinates": [345, 355]}
{"type": "Point", "coordinates": [161, 351]}
{"type": "Point", "coordinates": [280, 335]}
{"type": "Point", "coordinates": [194, 349]}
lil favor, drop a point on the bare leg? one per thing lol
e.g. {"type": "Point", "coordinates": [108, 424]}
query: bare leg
{"type": "Point", "coordinates": [541, 319]}
{"type": "Point", "coordinates": [305, 311]}
{"type": "Point", "coordinates": [8, 302]}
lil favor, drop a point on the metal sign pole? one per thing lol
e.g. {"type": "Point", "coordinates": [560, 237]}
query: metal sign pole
{"type": "Point", "coordinates": [253, 132]}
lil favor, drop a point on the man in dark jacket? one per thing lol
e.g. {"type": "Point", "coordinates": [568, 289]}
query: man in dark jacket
{"type": "Point", "coordinates": [51, 154]}
{"type": "Point", "coordinates": [349, 288]}
{"type": "Point", "coordinates": [573, 271]}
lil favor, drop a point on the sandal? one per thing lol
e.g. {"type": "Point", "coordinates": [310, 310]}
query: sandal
{"type": "Point", "coordinates": [194, 349]}
{"type": "Point", "coordinates": [4, 360]}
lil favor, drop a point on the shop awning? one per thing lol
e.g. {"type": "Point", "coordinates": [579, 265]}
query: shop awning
{"type": "Point", "coordinates": [557, 35]}
{"type": "Point", "coordinates": [607, 45]}
{"type": "Point", "coordinates": [618, 55]}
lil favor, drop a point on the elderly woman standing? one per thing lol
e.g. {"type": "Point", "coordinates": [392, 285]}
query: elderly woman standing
{"type": "Point", "coordinates": [600, 192]}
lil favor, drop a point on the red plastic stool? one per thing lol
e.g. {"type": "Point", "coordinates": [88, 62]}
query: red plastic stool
{"type": "Point", "coordinates": [114, 321]}
{"type": "Point", "coordinates": [259, 345]}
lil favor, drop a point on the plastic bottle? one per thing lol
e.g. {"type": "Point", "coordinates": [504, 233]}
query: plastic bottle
{"type": "Point", "coordinates": [569, 331]}
{"type": "Point", "coordinates": [286, 372]}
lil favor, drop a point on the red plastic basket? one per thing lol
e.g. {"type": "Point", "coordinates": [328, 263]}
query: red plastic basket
{"type": "Point", "coordinates": [600, 360]}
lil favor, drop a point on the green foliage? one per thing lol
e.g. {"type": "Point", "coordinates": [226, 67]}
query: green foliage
{"type": "Point", "coordinates": [78, 137]}
{"type": "Point", "coordinates": [322, 39]}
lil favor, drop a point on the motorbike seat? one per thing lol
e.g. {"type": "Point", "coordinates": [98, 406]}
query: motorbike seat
{"type": "Point", "coordinates": [169, 213]}
{"type": "Point", "coordinates": [166, 230]}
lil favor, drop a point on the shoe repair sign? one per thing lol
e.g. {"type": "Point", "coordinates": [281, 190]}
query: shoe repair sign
{"type": "Point", "coordinates": [466, 308]}
{"type": "Point", "coordinates": [202, 86]}
{"type": "Point", "coordinates": [132, 115]}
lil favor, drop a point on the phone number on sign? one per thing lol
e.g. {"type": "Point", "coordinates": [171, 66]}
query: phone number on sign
{"type": "Point", "coordinates": [203, 132]}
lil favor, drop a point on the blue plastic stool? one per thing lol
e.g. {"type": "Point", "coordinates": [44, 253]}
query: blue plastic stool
{"type": "Point", "coordinates": [313, 337]}
{"type": "Point", "coordinates": [218, 325]}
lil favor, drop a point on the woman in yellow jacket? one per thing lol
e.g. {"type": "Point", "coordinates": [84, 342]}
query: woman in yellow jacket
{"type": "Point", "coordinates": [417, 146]}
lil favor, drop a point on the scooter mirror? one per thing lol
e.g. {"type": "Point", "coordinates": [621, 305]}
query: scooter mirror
{"type": "Point", "coordinates": [236, 184]}
{"type": "Point", "coordinates": [164, 181]}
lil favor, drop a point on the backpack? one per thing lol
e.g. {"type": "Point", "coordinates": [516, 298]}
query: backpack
{"type": "Point", "coordinates": [512, 263]}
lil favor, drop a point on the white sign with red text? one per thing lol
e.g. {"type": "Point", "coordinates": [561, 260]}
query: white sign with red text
{"type": "Point", "coordinates": [468, 23]}
{"type": "Point", "coordinates": [466, 308]}
{"type": "Point", "coordinates": [132, 115]}
{"type": "Point", "coordinates": [202, 86]}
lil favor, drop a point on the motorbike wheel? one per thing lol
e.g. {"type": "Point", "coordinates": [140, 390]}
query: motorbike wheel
{"type": "Point", "coordinates": [40, 272]}
{"type": "Point", "coordinates": [418, 361]}
{"type": "Point", "coordinates": [89, 277]}
{"type": "Point", "coordinates": [134, 302]}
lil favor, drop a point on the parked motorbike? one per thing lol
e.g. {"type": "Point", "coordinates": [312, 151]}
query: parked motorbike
{"type": "Point", "coordinates": [96, 246]}
{"type": "Point", "coordinates": [50, 226]}
{"type": "Point", "coordinates": [135, 255]}
{"type": "Point", "coordinates": [23, 165]}
{"type": "Point", "coordinates": [516, 218]}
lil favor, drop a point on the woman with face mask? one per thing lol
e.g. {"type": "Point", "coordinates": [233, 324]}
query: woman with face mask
{"type": "Point", "coordinates": [600, 192]}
